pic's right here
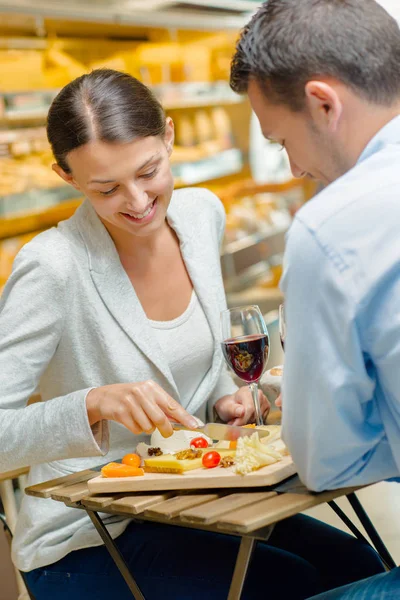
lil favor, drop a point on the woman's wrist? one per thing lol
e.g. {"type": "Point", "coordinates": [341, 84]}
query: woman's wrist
{"type": "Point", "coordinates": [92, 406]}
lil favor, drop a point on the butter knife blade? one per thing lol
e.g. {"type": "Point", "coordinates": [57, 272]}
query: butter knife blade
{"type": "Point", "coordinates": [220, 431]}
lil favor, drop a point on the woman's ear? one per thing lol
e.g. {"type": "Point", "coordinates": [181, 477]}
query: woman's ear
{"type": "Point", "coordinates": [169, 135]}
{"type": "Point", "coordinates": [67, 177]}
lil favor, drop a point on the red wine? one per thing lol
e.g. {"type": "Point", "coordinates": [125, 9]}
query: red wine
{"type": "Point", "coordinates": [247, 356]}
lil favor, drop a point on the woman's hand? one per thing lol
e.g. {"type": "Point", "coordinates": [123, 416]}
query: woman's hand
{"type": "Point", "coordinates": [140, 407]}
{"type": "Point", "coordinates": [238, 408]}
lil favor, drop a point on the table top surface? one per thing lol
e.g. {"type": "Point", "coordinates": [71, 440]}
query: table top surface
{"type": "Point", "coordinates": [239, 512]}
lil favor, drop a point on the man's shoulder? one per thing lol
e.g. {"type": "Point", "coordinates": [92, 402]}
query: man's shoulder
{"type": "Point", "coordinates": [364, 194]}
{"type": "Point", "coordinates": [350, 229]}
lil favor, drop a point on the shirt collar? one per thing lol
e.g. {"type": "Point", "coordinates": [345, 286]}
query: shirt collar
{"type": "Point", "coordinates": [389, 134]}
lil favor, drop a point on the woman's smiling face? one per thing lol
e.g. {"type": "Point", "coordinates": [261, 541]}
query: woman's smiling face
{"type": "Point", "coordinates": [129, 185]}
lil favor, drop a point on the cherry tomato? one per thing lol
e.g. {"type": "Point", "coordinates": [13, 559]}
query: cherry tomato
{"type": "Point", "coordinates": [211, 459]}
{"type": "Point", "coordinates": [199, 442]}
{"type": "Point", "coordinates": [133, 460]}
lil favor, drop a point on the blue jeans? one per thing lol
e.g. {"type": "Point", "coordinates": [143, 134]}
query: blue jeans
{"type": "Point", "coordinates": [380, 587]}
{"type": "Point", "coordinates": [175, 563]}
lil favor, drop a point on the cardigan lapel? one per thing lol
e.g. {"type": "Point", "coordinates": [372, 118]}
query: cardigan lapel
{"type": "Point", "coordinates": [116, 289]}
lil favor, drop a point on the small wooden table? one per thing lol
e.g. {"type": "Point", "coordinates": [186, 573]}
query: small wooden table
{"type": "Point", "coordinates": [247, 513]}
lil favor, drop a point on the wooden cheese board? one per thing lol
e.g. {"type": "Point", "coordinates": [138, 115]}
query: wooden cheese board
{"type": "Point", "coordinates": [195, 480]}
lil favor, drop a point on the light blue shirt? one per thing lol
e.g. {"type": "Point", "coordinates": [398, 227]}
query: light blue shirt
{"type": "Point", "coordinates": [341, 388]}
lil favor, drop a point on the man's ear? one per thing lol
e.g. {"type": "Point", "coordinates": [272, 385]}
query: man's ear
{"type": "Point", "coordinates": [67, 177]}
{"type": "Point", "coordinates": [324, 105]}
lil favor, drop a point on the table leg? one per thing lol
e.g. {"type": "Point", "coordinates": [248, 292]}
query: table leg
{"type": "Point", "coordinates": [246, 549]}
{"type": "Point", "coordinates": [342, 515]}
{"type": "Point", "coordinates": [115, 554]}
{"type": "Point", "coordinates": [371, 531]}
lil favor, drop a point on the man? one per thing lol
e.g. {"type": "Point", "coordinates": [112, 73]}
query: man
{"type": "Point", "coordinates": [323, 77]}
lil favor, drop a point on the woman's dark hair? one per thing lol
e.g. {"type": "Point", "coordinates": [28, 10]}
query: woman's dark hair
{"type": "Point", "coordinates": [289, 42]}
{"type": "Point", "coordinates": [103, 105]}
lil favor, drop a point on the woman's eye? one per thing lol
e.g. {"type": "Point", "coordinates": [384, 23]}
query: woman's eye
{"type": "Point", "coordinates": [149, 175]}
{"type": "Point", "coordinates": [109, 192]}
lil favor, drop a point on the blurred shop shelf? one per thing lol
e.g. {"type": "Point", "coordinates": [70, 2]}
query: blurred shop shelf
{"type": "Point", "coordinates": [18, 118]}
{"type": "Point", "coordinates": [200, 102]}
{"type": "Point", "coordinates": [36, 199]}
{"type": "Point", "coordinates": [37, 220]}
{"type": "Point", "coordinates": [266, 298]}
{"type": "Point", "coordinates": [21, 107]}
{"type": "Point", "coordinates": [254, 239]}
{"type": "Point", "coordinates": [218, 165]}
{"type": "Point", "coordinates": [248, 261]}
{"type": "Point", "coordinates": [202, 15]}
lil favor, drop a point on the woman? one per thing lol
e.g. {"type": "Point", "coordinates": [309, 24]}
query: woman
{"type": "Point", "coordinates": [115, 315]}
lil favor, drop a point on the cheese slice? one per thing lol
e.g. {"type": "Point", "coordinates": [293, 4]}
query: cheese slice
{"type": "Point", "coordinates": [168, 463]}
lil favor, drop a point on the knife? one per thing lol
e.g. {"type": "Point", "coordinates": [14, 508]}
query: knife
{"type": "Point", "coordinates": [220, 431]}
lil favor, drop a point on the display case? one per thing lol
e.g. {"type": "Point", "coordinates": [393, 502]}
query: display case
{"type": "Point", "coordinates": [258, 218]}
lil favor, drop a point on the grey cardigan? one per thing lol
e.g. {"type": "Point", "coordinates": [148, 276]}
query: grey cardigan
{"type": "Point", "coordinates": [70, 321]}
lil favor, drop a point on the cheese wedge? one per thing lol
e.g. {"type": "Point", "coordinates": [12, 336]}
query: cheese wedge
{"type": "Point", "coordinates": [168, 463]}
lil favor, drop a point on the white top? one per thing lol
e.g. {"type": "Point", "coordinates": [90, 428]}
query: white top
{"type": "Point", "coordinates": [189, 362]}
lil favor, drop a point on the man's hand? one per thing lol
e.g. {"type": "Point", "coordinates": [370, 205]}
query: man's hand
{"type": "Point", "coordinates": [238, 408]}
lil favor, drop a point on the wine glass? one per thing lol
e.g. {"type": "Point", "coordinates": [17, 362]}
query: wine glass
{"type": "Point", "coordinates": [282, 325]}
{"type": "Point", "coordinates": [245, 344]}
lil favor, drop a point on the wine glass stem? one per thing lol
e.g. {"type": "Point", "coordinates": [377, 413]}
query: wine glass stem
{"type": "Point", "coordinates": [254, 392]}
